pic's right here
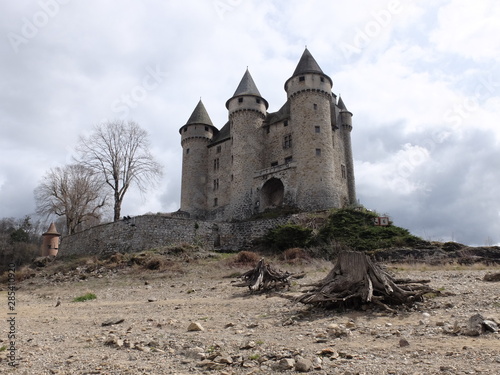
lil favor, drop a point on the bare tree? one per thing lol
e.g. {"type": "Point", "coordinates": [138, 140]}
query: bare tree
{"type": "Point", "coordinates": [119, 151]}
{"type": "Point", "coordinates": [73, 191]}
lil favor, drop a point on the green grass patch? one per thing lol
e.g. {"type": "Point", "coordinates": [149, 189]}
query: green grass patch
{"type": "Point", "coordinates": [85, 297]}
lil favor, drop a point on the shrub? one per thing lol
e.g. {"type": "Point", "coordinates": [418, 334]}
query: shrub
{"type": "Point", "coordinates": [355, 229]}
{"type": "Point", "coordinates": [85, 297]}
{"type": "Point", "coordinates": [245, 258]}
{"type": "Point", "coordinates": [288, 236]}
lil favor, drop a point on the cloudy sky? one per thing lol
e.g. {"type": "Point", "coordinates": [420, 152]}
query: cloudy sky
{"type": "Point", "coordinates": [421, 78]}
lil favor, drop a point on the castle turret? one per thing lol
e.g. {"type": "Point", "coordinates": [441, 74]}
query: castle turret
{"type": "Point", "coordinates": [195, 136]}
{"type": "Point", "coordinates": [346, 123]}
{"type": "Point", "coordinates": [247, 112]}
{"type": "Point", "coordinates": [309, 94]}
{"type": "Point", "coordinates": [50, 241]}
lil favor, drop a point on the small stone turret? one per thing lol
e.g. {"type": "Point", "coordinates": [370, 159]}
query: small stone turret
{"type": "Point", "coordinates": [50, 241]}
{"type": "Point", "coordinates": [195, 136]}
{"type": "Point", "coordinates": [346, 123]}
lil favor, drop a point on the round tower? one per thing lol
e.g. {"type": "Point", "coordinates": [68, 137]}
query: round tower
{"type": "Point", "coordinates": [309, 94]}
{"type": "Point", "coordinates": [50, 241]}
{"type": "Point", "coordinates": [247, 111]}
{"type": "Point", "coordinates": [195, 136]}
{"type": "Point", "coordinates": [346, 123]}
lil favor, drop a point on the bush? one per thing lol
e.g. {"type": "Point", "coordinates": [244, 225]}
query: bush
{"type": "Point", "coordinates": [245, 258]}
{"type": "Point", "coordinates": [288, 236]}
{"type": "Point", "coordinates": [355, 229]}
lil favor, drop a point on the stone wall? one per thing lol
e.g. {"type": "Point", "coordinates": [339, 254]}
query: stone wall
{"type": "Point", "coordinates": [155, 231]}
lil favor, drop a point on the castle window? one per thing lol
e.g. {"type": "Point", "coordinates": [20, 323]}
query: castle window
{"type": "Point", "coordinates": [257, 100]}
{"type": "Point", "coordinates": [285, 123]}
{"type": "Point", "coordinates": [288, 159]}
{"type": "Point", "coordinates": [219, 148]}
{"type": "Point", "coordinates": [302, 79]}
{"type": "Point", "coordinates": [216, 164]}
{"type": "Point", "coordinates": [318, 152]}
{"type": "Point", "coordinates": [315, 106]}
{"type": "Point", "coordinates": [317, 129]}
{"type": "Point", "coordinates": [274, 164]}
{"type": "Point", "coordinates": [206, 128]}
{"type": "Point", "coordinates": [240, 100]}
{"type": "Point", "coordinates": [343, 171]}
{"type": "Point", "coordinates": [216, 184]}
{"type": "Point", "coordinates": [216, 202]}
{"type": "Point", "coordinates": [232, 177]}
{"type": "Point", "coordinates": [322, 79]}
{"type": "Point", "coordinates": [187, 150]}
{"type": "Point", "coordinates": [287, 141]}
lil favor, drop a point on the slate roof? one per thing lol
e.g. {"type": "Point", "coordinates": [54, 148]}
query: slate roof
{"type": "Point", "coordinates": [282, 114]}
{"type": "Point", "coordinates": [200, 115]}
{"type": "Point", "coordinates": [307, 64]}
{"type": "Point", "coordinates": [247, 86]}
{"type": "Point", "coordinates": [223, 135]}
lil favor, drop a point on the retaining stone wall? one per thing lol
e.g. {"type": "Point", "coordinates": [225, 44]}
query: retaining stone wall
{"type": "Point", "coordinates": [154, 231]}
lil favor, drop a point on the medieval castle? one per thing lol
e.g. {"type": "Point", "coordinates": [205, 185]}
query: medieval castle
{"type": "Point", "coordinates": [299, 156]}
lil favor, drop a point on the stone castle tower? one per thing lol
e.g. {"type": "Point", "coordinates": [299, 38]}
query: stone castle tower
{"type": "Point", "coordinates": [299, 156]}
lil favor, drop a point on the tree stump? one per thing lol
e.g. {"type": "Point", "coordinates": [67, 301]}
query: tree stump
{"type": "Point", "coordinates": [355, 280]}
{"type": "Point", "coordinates": [265, 277]}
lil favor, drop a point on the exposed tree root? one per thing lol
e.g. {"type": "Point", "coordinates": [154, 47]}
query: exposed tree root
{"type": "Point", "coordinates": [355, 280]}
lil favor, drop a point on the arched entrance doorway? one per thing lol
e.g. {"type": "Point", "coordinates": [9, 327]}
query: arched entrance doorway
{"type": "Point", "coordinates": [271, 194]}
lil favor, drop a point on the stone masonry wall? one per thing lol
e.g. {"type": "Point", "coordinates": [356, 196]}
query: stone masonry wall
{"type": "Point", "coordinates": [154, 231]}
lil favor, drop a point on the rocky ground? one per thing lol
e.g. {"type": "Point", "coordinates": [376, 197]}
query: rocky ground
{"type": "Point", "coordinates": [188, 318]}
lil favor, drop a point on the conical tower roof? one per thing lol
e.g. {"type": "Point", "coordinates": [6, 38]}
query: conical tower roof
{"type": "Point", "coordinates": [307, 64]}
{"type": "Point", "coordinates": [52, 231]}
{"type": "Point", "coordinates": [200, 115]}
{"type": "Point", "coordinates": [341, 104]}
{"type": "Point", "coordinates": [247, 86]}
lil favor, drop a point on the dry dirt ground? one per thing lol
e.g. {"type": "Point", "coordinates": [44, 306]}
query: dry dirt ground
{"type": "Point", "coordinates": [242, 333]}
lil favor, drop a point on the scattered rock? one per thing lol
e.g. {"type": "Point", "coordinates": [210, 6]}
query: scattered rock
{"type": "Point", "coordinates": [152, 299]}
{"type": "Point", "coordinates": [286, 364]}
{"type": "Point", "coordinates": [403, 343]}
{"type": "Point", "coordinates": [194, 327]}
{"type": "Point", "coordinates": [303, 364]}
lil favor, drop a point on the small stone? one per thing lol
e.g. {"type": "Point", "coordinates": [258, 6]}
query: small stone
{"type": "Point", "coordinates": [194, 327]}
{"type": "Point", "coordinates": [328, 352]}
{"type": "Point", "coordinates": [303, 364]}
{"type": "Point", "coordinates": [248, 345]}
{"type": "Point", "coordinates": [403, 343]}
{"type": "Point", "coordinates": [286, 364]}
{"type": "Point", "coordinates": [152, 299]}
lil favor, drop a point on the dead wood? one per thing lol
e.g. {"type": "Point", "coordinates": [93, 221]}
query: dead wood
{"type": "Point", "coordinates": [355, 280]}
{"type": "Point", "coordinates": [265, 277]}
